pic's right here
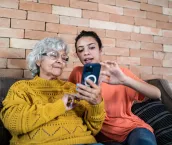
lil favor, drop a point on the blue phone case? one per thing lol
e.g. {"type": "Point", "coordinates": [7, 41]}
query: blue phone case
{"type": "Point", "coordinates": [92, 72]}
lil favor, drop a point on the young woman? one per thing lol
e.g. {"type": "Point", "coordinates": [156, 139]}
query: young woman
{"type": "Point", "coordinates": [44, 110]}
{"type": "Point", "coordinates": [120, 88]}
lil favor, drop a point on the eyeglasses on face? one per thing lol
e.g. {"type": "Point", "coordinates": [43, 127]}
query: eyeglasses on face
{"type": "Point", "coordinates": [54, 55]}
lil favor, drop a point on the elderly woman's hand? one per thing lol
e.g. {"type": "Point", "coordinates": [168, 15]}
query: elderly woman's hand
{"type": "Point", "coordinates": [91, 94]}
{"type": "Point", "coordinates": [69, 101]}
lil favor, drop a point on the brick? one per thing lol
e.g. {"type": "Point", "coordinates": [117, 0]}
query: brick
{"type": "Point", "coordinates": [141, 37]}
{"type": "Point", "coordinates": [127, 44]}
{"type": "Point", "coordinates": [8, 32]}
{"type": "Point", "coordinates": [66, 11]}
{"type": "Point", "coordinates": [167, 63]}
{"type": "Point", "coordinates": [118, 34]}
{"type": "Point", "coordinates": [145, 22]}
{"type": "Point", "coordinates": [95, 15]}
{"type": "Point", "coordinates": [162, 71]}
{"type": "Point", "coordinates": [68, 38]}
{"type": "Point", "coordinates": [56, 2]}
{"type": "Point", "coordinates": [141, 53]}
{"type": "Point", "coordinates": [116, 51]}
{"type": "Point", "coordinates": [121, 19]}
{"type": "Point", "coordinates": [163, 3]}
{"type": "Point", "coordinates": [9, 4]}
{"type": "Point", "coordinates": [28, 74]}
{"type": "Point", "coordinates": [17, 63]}
{"type": "Point", "coordinates": [169, 78]}
{"type": "Point", "coordinates": [102, 24]}
{"type": "Point", "coordinates": [74, 21]}
{"type": "Point", "coordinates": [151, 8]}
{"type": "Point", "coordinates": [4, 22]}
{"type": "Point", "coordinates": [29, 34]}
{"type": "Point", "coordinates": [110, 9]}
{"type": "Point", "coordinates": [83, 5]}
{"type": "Point", "coordinates": [22, 43]}
{"type": "Point", "coordinates": [28, 51]}
{"type": "Point", "coordinates": [165, 26]}
{"type": "Point", "coordinates": [149, 77]}
{"type": "Point", "coordinates": [151, 31]}
{"type": "Point", "coordinates": [168, 56]}
{"type": "Point", "coordinates": [4, 42]}
{"type": "Point", "coordinates": [156, 16]}
{"type": "Point", "coordinates": [99, 32]}
{"type": "Point", "coordinates": [128, 60]}
{"type": "Point", "coordinates": [31, 6]}
{"type": "Point", "coordinates": [3, 63]}
{"type": "Point", "coordinates": [12, 53]}
{"type": "Point", "coordinates": [108, 42]}
{"type": "Point", "coordinates": [16, 73]}
{"type": "Point", "coordinates": [167, 33]}
{"type": "Point", "coordinates": [150, 62]}
{"type": "Point", "coordinates": [124, 27]}
{"type": "Point", "coordinates": [65, 29]}
{"type": "Point", "coordinates": [167, 48]}
{"type": "Point", "coordinates": [170, 4]}
{"type": "Point", "coordinates": [134, 13]}
{"type": "Point", "coordinates": [142, 1]}
{"type": "Point", "coordinates": [108, 57]}
{"type": "Point", "coordinates": [27, 24]}
{"type": "Point", "coordinates": [138, 70]}
{"type": "Point", "coordinates": [136, 29]}
{"type": "Point", "coordinates": [151, 46]}
{"type": "Point", "coordinates": [162, 40]}
{"type": "Point", "coordinates": [28, 1]}
{"type": "Point", "coordinates": [159, 55]}
{"type": "Point", "coordinates": [128, 4]}
{"type": "Point", "coordinates": [12, 13]}
{"type": "Point", "coordinates": [108, 2]}
{"type": "Point", "coordinates": [167, 11]}
{"type": "Point", "coordinates": [43, 17]}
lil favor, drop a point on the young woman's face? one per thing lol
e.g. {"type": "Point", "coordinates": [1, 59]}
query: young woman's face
{"type": "Point", "coordinates": [88, 50]}
{"type": "Point", "coordinates": [52, 64]}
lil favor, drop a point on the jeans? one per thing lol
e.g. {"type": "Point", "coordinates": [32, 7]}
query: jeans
{"type": "Point", "coordinates": [139, 136]}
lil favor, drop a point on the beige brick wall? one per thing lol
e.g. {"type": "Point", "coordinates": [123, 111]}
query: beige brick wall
{"type": "Point", "coordinates": [135, 33]}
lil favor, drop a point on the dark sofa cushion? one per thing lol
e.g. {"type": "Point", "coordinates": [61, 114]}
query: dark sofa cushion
{"type": "Point", "coordinates": [5, 84]}
{"type": "Point", "coordinates": [156, 115]}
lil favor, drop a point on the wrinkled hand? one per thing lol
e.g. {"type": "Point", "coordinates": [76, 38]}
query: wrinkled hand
{"type": "Point", "coordinates": [69, 101]}
{"type": "Point", "coordinates": [112, 74]}
{"type": "Point", "coordinates": [91, 94]}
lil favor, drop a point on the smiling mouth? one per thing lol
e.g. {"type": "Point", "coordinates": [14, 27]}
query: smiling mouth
{"type": "Point", "coordinates": [88, 60]}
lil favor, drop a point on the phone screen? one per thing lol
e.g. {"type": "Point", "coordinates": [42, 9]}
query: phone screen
{"type": "Point", "coordinates": [91, 71]}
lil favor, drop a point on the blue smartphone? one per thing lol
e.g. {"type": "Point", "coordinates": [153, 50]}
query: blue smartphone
{"type": "Point", "coordinates": [91, 71]}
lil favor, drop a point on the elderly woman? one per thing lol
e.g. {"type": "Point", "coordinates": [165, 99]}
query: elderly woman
{"type": "Point", "coordinates": [47, 110]}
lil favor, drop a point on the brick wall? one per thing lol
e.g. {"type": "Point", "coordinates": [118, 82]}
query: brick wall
{"type": "Point", "coordinates": [135, 33]}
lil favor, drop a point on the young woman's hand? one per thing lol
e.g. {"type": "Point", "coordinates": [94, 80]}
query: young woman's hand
{"type": "Point", "coordinates": [69, 101]}
{"type": "Point", "coordinates": [91, 94]}
{"type": "Point", "coordinates": [112, 74]}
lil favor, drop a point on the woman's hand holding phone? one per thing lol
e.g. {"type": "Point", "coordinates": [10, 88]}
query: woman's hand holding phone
{"type": "Point", "coordinates": [91, 94]}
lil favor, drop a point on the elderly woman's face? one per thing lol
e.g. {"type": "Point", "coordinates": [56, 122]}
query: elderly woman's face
{"type": "Point", "coordinates": [52, 64]}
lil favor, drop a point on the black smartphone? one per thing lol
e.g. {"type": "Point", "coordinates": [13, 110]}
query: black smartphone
{"type": "Point", "coordinates": [91, 71]}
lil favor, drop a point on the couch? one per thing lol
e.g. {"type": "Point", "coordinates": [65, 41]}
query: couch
{"type": "Point", "coordinates": [155, 112]}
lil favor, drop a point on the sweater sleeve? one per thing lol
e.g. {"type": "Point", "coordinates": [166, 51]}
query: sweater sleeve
{"type": "Point", "coordinates": [20, 115]}
{"type": "Point", "coordinates": [94, 117]}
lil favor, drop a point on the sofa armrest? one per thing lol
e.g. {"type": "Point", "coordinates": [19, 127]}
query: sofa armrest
{"type": "Point", "coordinates": [166, 91]}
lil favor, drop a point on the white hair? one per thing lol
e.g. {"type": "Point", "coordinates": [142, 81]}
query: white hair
{"type": "Point", "coordinates": [43, 46]}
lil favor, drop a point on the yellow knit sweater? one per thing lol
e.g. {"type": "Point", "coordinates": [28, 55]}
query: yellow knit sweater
{"type": "Point", "coordinates": [34, 113]}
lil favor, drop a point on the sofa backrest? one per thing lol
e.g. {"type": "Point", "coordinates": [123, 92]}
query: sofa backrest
{"type": "Point", "coordinates": [5, 84]}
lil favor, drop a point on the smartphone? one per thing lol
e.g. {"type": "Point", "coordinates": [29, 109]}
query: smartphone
{"type": "Point", "coordinates": [91, 71]}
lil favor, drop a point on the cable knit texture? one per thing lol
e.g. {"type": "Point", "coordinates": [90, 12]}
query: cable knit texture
{"type": "Point", "coordinates": [34, 113]}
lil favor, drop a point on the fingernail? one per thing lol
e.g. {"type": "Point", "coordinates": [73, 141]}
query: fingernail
{"type": "Point", "coordinates": [77, 84]}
